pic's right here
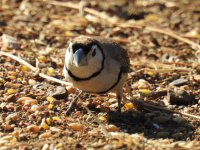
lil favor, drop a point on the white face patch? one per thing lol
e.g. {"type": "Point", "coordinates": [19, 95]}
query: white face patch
{"type": "Point", "coordinates": [94, 59]}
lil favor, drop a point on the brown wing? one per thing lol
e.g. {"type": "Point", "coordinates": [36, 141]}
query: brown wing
{"type": "Point", "coordinates": [117, 52]}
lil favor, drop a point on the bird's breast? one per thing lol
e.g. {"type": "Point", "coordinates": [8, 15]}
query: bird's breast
{"type": "Point", "coordinates": [105, 80]}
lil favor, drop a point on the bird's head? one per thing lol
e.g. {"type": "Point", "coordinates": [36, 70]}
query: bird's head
{"type": "Point", "coordinates": [84, 54]}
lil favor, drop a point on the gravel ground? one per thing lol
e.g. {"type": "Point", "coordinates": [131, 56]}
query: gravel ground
{"type": "Point", "coordinates": [162, 39]}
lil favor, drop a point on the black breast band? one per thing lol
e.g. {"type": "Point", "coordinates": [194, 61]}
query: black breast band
{"type": "Point", "coordinates": [118, 79]}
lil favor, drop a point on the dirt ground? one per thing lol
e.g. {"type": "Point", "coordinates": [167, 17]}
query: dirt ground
{"type": "Point", "coordinates": [163, 42]}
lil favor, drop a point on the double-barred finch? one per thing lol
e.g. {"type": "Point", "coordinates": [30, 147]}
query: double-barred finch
{"type": "Point", "coordinates": [97, 65]}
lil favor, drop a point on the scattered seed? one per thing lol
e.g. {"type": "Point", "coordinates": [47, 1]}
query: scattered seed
{"type": "Point", "coordinates": [112, 128]}
{"type": "Point", "coordinates": [44, 125]}
{"type": "Point", "coordinates": [42, 59]}
{"type": "Point", "coordinates": [45, 135]}
{"type": "Point", "coordinates": [24, 68]}
{"type": "Point", "coordinates": [50, 71]}
{"type": "Point", "coordinates": [33, 128]}
{"type": "Point", "coordinates": [76, 126]}
{"type": "Point", "coordinates": [129, 106]}
{"type": "Point", "coordinates": [50, 99]}
{"type": "Point", "coordinates": [11, 91]}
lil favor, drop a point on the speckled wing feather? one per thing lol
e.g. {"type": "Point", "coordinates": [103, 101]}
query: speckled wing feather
{"type": "Point", "coordinates": [118, 53]}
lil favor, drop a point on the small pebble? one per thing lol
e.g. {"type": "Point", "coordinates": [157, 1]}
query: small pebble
{"type": "Point", "coordinates": [45, 135]}
{"type": "Point", "coordinates": [162, 134]}
{"type": "Point", "coordinates": [112, 128]}
{"type": "Point", "coordinates": [179, 82]}
{"type": "Point", "coordinates": [71, 89]}
{"type": "Point", "coordinates": [141, 84]}
{"type": "Point", "coordinates": [33, 128]}
{"type": "Point", "coordinates": [76, 126]}
{"type": "Point", "coordinates": [58, 93]}
{"type": "Point", "coordinates": [161, 119]}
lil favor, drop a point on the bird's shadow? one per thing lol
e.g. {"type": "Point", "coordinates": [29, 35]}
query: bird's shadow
{"type": "Point", "coordinates": [153, 124]}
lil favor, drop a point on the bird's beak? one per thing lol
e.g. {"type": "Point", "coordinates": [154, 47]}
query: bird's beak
{"type": "Point", "coordinates": [79, 58]}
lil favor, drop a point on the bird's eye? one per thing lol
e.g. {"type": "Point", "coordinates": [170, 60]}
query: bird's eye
{"type": "Point", "coordinates": [94, 52]}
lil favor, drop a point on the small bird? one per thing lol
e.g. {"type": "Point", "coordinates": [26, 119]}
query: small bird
{"type": "Point", "coordinates": [97, 65]}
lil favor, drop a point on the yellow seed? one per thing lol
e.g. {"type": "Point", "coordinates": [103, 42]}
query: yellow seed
{"type": "Point", "coordinates": [56, 118]}
{"type": "Point", "coordinates": [50, 106]}
{"type": "Point", "coordinates": [12, 77]}
{"type": "Point", "coordinates": [76, 126]}
{"type": "Point", "coordinates": [24, 68]}
{"type": "Point", "coordinates": [103, 118]}
{"type": "Point", "coordinates": [42, 59]}
{"type": "Point", "coordinates": [50, 71]}
{"type": "Point", "coordinates": [150, 73]}
{"type": "Point", "coordinates": [19, 79]}
{"type": "Point", "coordinates": [44, 125]}
{"type": "Point", "coordinates": [129, 106]}
{"type": "Point", "coordinates": [2, 80]}
{"type": "Point", "coordinates": [145, 91]}
{"type": "Point", "coordinates": [11, 91]}
{"type": "Point", "coordinates": [152, 17]}
{"type": "Point", "coordinates": [48, 120]}
{"type": "Point", "coordinates": [50, 99]}
{"type": "Point", "coordinates": [68, 33]}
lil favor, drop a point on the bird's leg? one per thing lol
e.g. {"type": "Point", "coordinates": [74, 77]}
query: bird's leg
{"type": "Point", "coordinates": [119, 99]}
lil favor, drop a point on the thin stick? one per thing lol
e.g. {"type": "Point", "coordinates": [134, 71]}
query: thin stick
{"type": "Point", "coordinates": [73, 102]}
{"type": "Point", "coordinates": [103, 129]}
{"type": "Point", "coordinates": [174, 35]}
{"type": "Point", "coordinates": [146, 105]}
{"type": "Point", "coordinates": [21, 61]}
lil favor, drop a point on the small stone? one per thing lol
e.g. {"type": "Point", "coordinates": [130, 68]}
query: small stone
{"type": "Point", "coordinates": [196, 77]}
{"type": "Point", "coordinates": [9, 42]}
{"type": "Point", "coordinates": [7, 127]}
{"type": "Point", "coordinates": [180, 97]}
{"type": "Point", "coordinates": [55, 129]}
{"type": "Point", "coordinates": [27, 101]}
{"type": "Point", "coordinates": [112, 128]}
{"type": "Point", "coordinates": [179, 82]}
{"type": "Point", "coordinates": [162, 134]}
{"type": "Point", "coordinates": [71, 89]}
{"type": "Point", "coordinates": [141, 84]}
{"type": "Point", "coordinates": [12, 117]}
{"type": "Point", "coordinates": [76, 126]}
{"type": "Point", "coordinates": [32, 82]}
{"type": "Point", "coordinates": [11, 98]}
{"type": "Point", "coordinates": [58, 93]}
{"type": "Point", "coordinates": [161, 119]}
{"type": "Point", "coordinates": [33, 128]}
{"type": "Point", "coordinates": [177, 135]}
{"type": "Point", "coordinates": [45, 135]}
{"type": "Point", "coordinates": [179, 120]}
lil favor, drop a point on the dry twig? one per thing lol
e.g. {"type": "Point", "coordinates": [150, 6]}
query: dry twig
{"type": "Point", "coordinates": [21, 61]}
{"type": "Point", "coordinates": [73, 102]}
